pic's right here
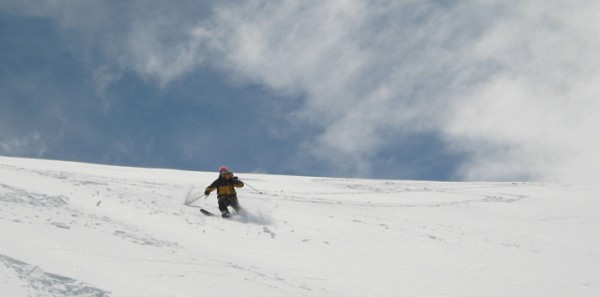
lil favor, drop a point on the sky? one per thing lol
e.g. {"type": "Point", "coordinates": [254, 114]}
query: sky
{"type": "Point", "coordinates": [428, 90]}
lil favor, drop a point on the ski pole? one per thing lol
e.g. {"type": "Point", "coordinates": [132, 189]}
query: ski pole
{"type": "Point", "coordinates": [259, 192]}
{"type": "Point", "coordinates": [194, 200]}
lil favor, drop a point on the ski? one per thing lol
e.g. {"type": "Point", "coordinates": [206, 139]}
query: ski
{"type": "Point", "coordinates": [210, 214]}
{"type": "Point", "coordinates": [206, 212]}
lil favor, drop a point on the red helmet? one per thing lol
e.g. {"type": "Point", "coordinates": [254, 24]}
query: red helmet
{"type": "Point", "coordinates": [223, 168]}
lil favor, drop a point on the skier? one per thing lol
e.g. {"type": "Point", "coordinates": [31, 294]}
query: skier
{"type": "Point", "coordinates": [226, 195]}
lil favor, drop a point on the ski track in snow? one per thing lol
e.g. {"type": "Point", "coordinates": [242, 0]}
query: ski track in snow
{"type": "Point", "coordinates": [73, 229]}
{"type": "Point", "coordinates": [392, 189]}
{"type": "Point", "coordinates": [42, 283]}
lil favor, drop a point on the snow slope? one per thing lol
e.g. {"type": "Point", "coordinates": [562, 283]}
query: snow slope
{"type": "Point", "coordinates": [71, 229]}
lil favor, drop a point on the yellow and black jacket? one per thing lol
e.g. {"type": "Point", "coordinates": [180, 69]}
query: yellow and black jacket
{"type": "Point", "coordinates": [225, 186]}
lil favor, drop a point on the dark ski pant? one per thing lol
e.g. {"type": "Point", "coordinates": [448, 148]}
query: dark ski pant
{"type": "Point", "coordinates": [226, 201]}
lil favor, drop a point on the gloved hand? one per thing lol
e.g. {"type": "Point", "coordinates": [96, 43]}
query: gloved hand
{"type": "Point", "coordinates": [207, 192]}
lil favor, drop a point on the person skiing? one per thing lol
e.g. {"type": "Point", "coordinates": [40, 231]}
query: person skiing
{"type": "Point", "coordinates": [226, 194]}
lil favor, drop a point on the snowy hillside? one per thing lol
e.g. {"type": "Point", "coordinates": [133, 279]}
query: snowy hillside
{"type": "Point", "coordinates": [71, 229]}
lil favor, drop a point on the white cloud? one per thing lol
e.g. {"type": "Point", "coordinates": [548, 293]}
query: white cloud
{"type": "Point", "coordinates": [539, 114]}
{"type": "Point", "coordinates": [31, 144]}
{"type": "Point", "coordinates": [156, 39]}
{"type": "Point", "coordinates": [513, 85]}
{"type": "Point", "coordinates": [372, 74]}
